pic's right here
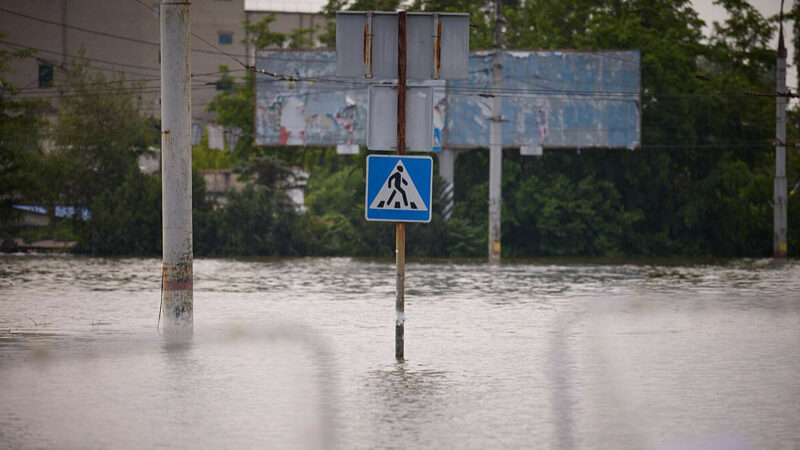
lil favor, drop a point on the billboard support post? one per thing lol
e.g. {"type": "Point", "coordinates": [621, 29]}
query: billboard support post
{"type": "Point", "coordinates": [496, 140]}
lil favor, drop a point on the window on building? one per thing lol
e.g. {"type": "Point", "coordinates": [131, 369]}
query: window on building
{"type": "Point", "coordinates": [45, 75]}
{"type": "Point", "coordinates": [224, 84]}
{"type": "Point", "coordinates": [225, 38]}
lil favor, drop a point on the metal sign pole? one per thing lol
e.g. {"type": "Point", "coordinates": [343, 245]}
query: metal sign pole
{"type": "Point", "coordinates": [400, 227]}
{"type": "Point", "coordinates": [443, 55]}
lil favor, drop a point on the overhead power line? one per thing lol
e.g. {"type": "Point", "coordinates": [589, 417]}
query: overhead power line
{"type": "Point", "coordinates": [503, 92]}
{"type": "Point", "coordinates": [105, 92]}
{"type": "Point", "coordinates": [113, 35]}
{"type": "Point", "coordinates": [488, 54]}
{"type": "Point", "coordinates": [158, 14]}
{"type": "Point", "coordinates": [103, 61]}
{"type": "Point", "coordinates": [486, 92]}
{"type": "Point", "coordinates": [77, 28]}
{"type": "Point", "coordinates": [112, 82]}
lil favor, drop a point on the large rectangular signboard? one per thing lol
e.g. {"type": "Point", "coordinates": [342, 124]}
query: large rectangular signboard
{"type": "Point", "coordinates": [321, 110]}
{"type": "Point", "coordinates": [551, 99]}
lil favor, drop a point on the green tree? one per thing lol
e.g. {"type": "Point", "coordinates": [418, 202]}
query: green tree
{"type": "Point", "coordinates": [259, 221]}
{"type": "Point", "coordinates": [334, 200]}
{"type": "Point", "coordinates": [125, 220]}
{"type": "Point", "coordinates": [235, 105]}
{"type": "Point", "coordinates": [207, 231]}
{"type": "Point", "coordinates": [700, 185]}
{"type": "Point", "coordinates": [261, 36]}
{"type": "Point", "coordinates": [100, 132]}
{"type": "Point", "coordinates": [21, 127]}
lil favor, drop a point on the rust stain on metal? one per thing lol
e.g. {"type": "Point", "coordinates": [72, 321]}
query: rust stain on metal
{"type": "Point", "coordinates": [366, 37]}
{"type": "Point", "coordinates": [178, 277]}
{"type": "Point", "coordinates": [177, 285]}
{"type": "Point", "coordinates": [401, 82]}
{"type": "Point", "coordinates": [367, 50]}
{"type": "Point", "coordinates": [437, 51]}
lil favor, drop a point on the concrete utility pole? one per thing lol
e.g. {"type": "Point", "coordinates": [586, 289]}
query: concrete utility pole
{"type": "Point", "coordinates": [780, 247]}
{"type": "Point", "coordinates": [176, 163]}
{"type": "Point", "coordinates": [64, 47]}
{"type": "Point", "coordinates": [496, 139]}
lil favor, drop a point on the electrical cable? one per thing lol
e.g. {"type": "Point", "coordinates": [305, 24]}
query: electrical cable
{"type": "Point", "coordinates": [111, 82]}
{"type": "Point", "coordinates": [158, 14]}
{"type": "Point", "coordinates": [108, 92]}
{"type": "Point", "coordinates": [135, 66]}
{"type": "Point", "coordinates": [110, 35]}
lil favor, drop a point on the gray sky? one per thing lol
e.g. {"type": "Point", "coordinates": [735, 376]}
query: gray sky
{"type": "Point", "coordinates": [710, 13]}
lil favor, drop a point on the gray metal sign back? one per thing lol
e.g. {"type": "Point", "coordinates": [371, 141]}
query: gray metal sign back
{"type": "Point", "coordinates": [437, 43]}
{"type": "Point", "coordinates": [382, 130]}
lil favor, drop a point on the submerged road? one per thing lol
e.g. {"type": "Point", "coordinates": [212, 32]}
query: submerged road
{"type": "Point", "coordinates": [299, 353]}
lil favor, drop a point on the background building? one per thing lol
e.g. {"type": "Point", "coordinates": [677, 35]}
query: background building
{"type": "Point", "coordinates": [122, 36]}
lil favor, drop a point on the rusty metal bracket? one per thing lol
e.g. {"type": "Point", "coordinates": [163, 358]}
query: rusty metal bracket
{"type": "Point", "coordinates": [437, 46]}
{"type": "Point", "coordinates": [368, 34]}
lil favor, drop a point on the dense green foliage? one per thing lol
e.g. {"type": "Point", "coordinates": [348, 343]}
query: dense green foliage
{"type": "Point", "coordinates": [99, 133]}
{"type": "Point", "coordinates": [126, 220]}
{"type": "Point", "coordinates": [700, 185]}
{"type": "Point", "coordinates": [20, 128]}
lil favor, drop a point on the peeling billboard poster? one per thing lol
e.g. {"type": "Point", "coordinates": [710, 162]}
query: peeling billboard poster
{"type": "Point", "coordinates": [320, 110]}
{"type": "Point", "coordinates": [552, 99]}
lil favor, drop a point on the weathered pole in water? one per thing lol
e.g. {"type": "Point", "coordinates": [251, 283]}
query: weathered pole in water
{"type": "Point", "coordinates": [400, 227]}
{"type": "Point", "coordinates": [176, 163]}
{"type": "Point", "coordinates": [496, 140]}
{"type": "Point", "coordinates": [780, 247]}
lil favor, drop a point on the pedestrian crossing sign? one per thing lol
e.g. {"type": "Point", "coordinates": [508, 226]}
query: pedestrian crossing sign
{"type": "Point", "coordinates": [399, 188]}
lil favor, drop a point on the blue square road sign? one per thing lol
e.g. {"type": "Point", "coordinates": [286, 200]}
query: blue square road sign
{"type": "Point", "coordinates": [399, 188]}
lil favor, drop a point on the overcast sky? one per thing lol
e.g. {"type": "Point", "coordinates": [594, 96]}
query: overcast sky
{"type": "Point", "coordinates": [710, 13]}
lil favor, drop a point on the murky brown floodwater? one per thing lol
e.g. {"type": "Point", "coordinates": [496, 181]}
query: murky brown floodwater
{"type": "Point", "coordinates": [299, 354]}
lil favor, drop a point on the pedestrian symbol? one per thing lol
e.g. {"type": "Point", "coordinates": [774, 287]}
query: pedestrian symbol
{"type": "Point", "coordinates": [398, 192]}
{"type": "Point", "coordinates": [399, 188]}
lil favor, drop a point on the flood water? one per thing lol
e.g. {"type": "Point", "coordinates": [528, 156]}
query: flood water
{"type": "Point", "coordinates": [299, 353]}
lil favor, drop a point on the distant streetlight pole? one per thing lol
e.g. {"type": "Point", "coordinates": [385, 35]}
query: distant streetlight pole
{"type": "Point", "coordinates": [176, 163]}
{"type": "Point", "coordinates": [496, 140]}
{"type": "Point", "coordinates": [780, 246]}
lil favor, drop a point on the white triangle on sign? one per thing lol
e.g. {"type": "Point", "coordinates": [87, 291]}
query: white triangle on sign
{"type": "Point", "coordinates": [398, 192]}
